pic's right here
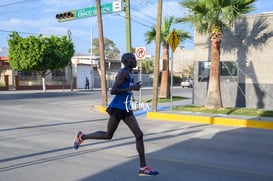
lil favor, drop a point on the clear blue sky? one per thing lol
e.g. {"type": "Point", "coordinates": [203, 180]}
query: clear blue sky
{"type": "Point", "coordinates": [33, 17]}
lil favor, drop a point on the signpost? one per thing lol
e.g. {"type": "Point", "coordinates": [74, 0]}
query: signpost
{"type": "Point", "coordinates": [92, 11]}
{"type": "Point", "coordinates": [173, 42]}
{"type": "Point", "coordinates": [140, 55]}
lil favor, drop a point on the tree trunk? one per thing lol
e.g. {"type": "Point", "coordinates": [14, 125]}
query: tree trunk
{"type": "Point", "coordinates": [43, 82]}
{"type": "Point", "coordinates": [165, 83]}
{"type": "Point", "coordinates": [157, 55]}
{"type": "Point", "coordinates": [102, 56]}
{"type": "Point", "coordinates": [214, 100]}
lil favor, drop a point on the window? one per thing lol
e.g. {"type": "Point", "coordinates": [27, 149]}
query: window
{"type": "Point", "coordinates": [58, 75]}
{"type": "Point", "coordinates": [27, 75]}
{"type": "Point", "coordinates": [203, 72]}
{"type": "Point", "coordinates": [227, 69]}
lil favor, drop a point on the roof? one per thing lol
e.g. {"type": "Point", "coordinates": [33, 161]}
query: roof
{"type": "Point", "coordinates": [4, 58]}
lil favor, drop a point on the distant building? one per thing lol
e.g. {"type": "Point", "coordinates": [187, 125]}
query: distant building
{"type": "Point", "coordinates": [182, 61]}
{"type": "Point", "coordinates": [84, 66]}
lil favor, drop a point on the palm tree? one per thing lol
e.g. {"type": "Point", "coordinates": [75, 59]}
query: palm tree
{"type": "Point", "coordinates": [212, 17]}
{"type": "Point", "coordinates": [150, 36]}
{"type": "Point", "coordinates": [146, 65]}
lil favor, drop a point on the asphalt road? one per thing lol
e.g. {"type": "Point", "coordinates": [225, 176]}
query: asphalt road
{"type": "Point", "coordinates": [37, 130]}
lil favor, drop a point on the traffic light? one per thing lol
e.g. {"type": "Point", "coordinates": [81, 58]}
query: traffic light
{"type": "Point", "coordinates": [66, 16]}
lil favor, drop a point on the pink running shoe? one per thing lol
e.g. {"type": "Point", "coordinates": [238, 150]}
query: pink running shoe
{"type": "Point", "coordinates": [147, 171]}
{"type": "Point", "coordinates": [77, 140]}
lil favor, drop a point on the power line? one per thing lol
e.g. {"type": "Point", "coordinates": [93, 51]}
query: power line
{"type": "Point", "coordinates": [144, 16]}
{"type": "Point", "coordinates": [28, 33]}
{"type": "Point", "coordinates": [14, 3]}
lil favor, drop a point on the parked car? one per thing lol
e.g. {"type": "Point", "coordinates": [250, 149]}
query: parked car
{"type": "Point", "coordinates": [187, 83]}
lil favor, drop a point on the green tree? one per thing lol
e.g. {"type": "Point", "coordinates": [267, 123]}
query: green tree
{"type": "Point", "coordinates": [111, 51]}
{"type": "Point", "coordinates": [41, 54]}
{"type": "Point", "coordinates": [212, 17]}
{"type": "Point", "coordinates": [150, 37]}
{"type": "Point", "coordinates": [146, 65]}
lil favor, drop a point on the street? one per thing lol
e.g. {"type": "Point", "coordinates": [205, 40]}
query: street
{"type": "Point", "coordinates": [37, 130]}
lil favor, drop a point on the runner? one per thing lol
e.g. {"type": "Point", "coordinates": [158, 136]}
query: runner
{"type": "Point", "coordinates": [119, 109]}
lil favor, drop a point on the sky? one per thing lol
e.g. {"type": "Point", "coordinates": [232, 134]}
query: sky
{"type": "Point", "coordinates": [33, 17]}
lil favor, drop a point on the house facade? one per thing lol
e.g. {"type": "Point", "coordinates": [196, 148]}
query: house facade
{"type": "Point", "coordinates": [84, 66]}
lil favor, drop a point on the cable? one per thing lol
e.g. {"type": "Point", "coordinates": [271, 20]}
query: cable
{"type": "Point", "coordinates": [28, 33]}
{"type": "Point", "coordinates": [14, 3]}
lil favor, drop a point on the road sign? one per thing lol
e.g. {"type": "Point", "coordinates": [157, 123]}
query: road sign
{"type": "Point", "coordinates": [140, 53]}
{"type": "Point", "coordinates": [173, 40]}
{"type": "Point", "coordinates": [90, 11]}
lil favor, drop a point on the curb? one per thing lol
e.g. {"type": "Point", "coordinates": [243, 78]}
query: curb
{"type": "Point", "coordinates": [100, 109]}
{"type": "Point", "coordinates": [211, 120]}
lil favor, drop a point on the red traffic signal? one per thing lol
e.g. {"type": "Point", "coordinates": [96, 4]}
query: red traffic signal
{"type": "Point", "coordinates": [66, 16]}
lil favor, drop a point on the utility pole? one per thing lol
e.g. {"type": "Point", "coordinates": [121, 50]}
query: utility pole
{"type": "Point", "coordinates": [102, 56]}
{"type": "Point", "coordinates": [70, 64]}
{"type": "Point", "coordinates": [91, 58]}
{"type": "Point", "coordinates": [128, 26]}
{"type": "Point", "coordinates": [157, 56]}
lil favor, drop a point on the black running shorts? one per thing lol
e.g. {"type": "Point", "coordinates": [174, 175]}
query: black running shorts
{"type": "Point", "coordinates": [119, 113]}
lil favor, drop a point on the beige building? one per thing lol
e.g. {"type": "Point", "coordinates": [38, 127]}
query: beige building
{"type": "Point", "coordinates": [182, 61]}
{"type": "Point", "coordinates": [246, 59]}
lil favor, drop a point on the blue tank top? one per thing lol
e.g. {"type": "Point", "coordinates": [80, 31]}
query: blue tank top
{"type": "Point", "coordinates": [122, 100]}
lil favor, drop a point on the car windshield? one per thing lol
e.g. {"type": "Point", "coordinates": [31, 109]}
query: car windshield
{"type": "Point", "coordinates": [186, 80]}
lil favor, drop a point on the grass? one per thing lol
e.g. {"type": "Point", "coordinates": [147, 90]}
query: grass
{"type": "Point", "coordinates": [174, 98]}
{"type": "Point", "coordinates": [227, 110]}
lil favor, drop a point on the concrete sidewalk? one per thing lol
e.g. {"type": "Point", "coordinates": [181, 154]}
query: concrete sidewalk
{"type": "Point", "coordinates": [165, 113]}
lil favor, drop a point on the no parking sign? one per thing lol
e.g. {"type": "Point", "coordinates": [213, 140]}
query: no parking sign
{"type": "Point", "coordinates": [140, 53]}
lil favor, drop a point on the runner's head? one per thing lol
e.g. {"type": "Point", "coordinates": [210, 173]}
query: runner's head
{"type": "Point", "coordinates": [129, 60]}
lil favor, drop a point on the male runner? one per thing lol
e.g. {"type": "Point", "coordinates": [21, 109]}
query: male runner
{"type": "Point", "coordinates": [119, 109]}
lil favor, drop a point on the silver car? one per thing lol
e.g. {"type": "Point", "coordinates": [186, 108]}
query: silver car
{"type": "Point", "coordinates": [187, 83]}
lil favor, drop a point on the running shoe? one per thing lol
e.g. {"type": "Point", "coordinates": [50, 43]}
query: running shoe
{"type": "Point", "coordinates": [77, 140]}
{"type": "Point", "coordinates": [147, 171]}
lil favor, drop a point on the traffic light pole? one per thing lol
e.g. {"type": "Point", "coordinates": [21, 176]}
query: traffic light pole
{"type": "Point", "coordinates": [128, 26]}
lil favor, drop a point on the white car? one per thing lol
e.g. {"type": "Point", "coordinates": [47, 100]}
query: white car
{"type": "Point", "coordinates": [186, 83]}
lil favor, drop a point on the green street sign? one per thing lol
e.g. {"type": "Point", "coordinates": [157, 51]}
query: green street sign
{"type": "Point", "coordinates": [89, 12]}
{"type": "Point", "coordinates": [92, 11]}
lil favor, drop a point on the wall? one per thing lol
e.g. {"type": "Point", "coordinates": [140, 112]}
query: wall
{"type": "Point", "coordinates": [250, 44]}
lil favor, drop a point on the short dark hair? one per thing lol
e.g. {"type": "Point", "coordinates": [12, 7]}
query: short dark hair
{"type": "Point", "coordinates": [127, 56]}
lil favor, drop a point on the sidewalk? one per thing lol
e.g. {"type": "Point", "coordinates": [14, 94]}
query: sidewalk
{"type": "Point", "coordinates": [165, 113]}
{"type": "Point", "coordinates": [217, 119]}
